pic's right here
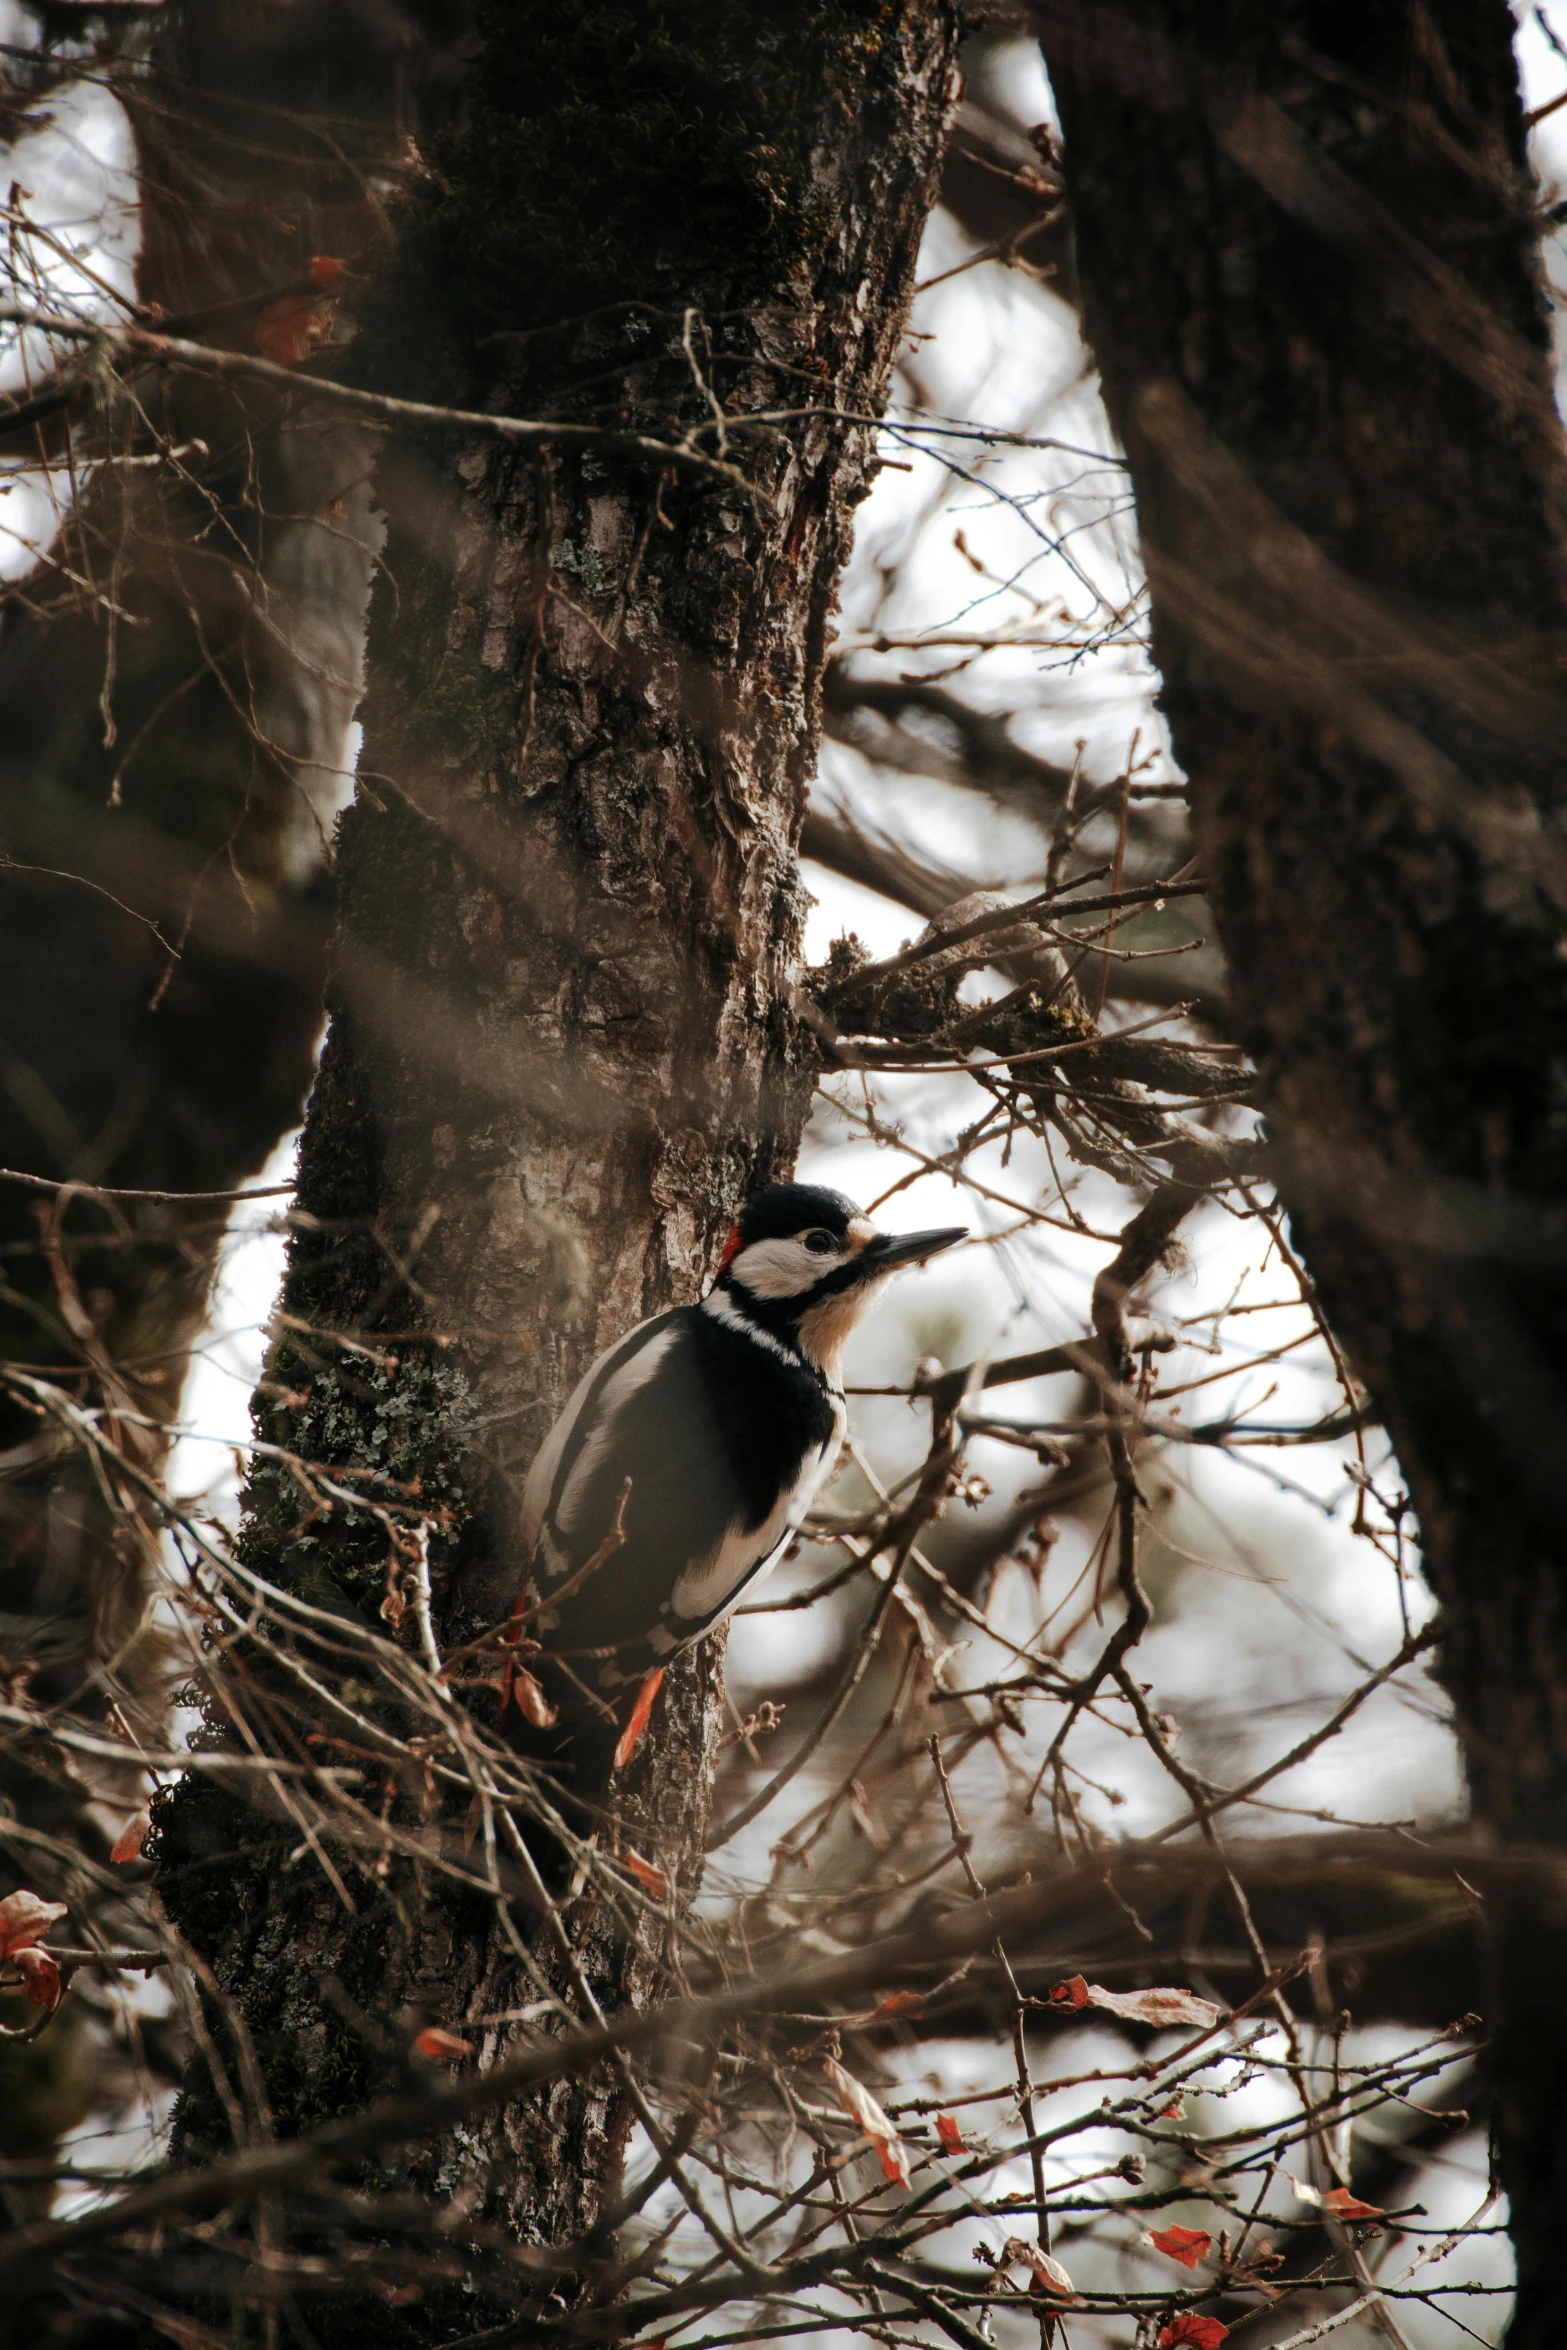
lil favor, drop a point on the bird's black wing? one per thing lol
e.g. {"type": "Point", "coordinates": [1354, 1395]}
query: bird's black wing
{"type": "Point", "coordinates": [642, 1448]}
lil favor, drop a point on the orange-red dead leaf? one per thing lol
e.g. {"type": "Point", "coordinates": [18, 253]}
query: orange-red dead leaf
{"type": "Point", "coordinates": [646, 1874]}
{"type": "Point", "coordinates": [1338, 2200]}
{"type": "Point", "coordinates": [1190, 2331]}
{"type": "Point", "coordinates": [1344, 2205]}
{"type": "Point", "coordinates": [325, 269]}
{"type": "Point", "coordinates": [1187, 2245]}
{"type": "Point", "coordinates": [433, 2041]}
{"type": "Point", "coordinates": [131, 1838]}
{"type": "Point", "coordinates": [23, 1917]}
{"type": "Point", "coordinates": [294, 328]}
{"type": "Point", "coordinates": [1175, 2111]}
{"type": "Point", "coordinates": [511, 1633]}
{"type": "Point", "coordinates": [1072, 1993]}
{"type": "Point", "coordinates": [1048, 2274]}
{"type": "Point", "coordinates": [631, 1736]}
{"type": "Point", "coordinates": [40, 1976]}
{"type": "Point", "coordinates": [899, 2003]}
{"type": "Point", "coordinates": [861, 2107]}
{"type": "Point", "coordinates": [948, 2132]}
{"type": "Point", "coordinates": [530, 1699]}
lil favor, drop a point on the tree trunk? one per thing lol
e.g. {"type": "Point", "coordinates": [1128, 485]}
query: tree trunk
{"type": "Point", "coordinates": [1307, 251]}
{"type": "Point", "coordinates": [562, 1047]}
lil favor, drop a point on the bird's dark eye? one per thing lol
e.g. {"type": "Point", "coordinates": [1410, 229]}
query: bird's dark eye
{"type": "Point", "coordinates": [821, 1244]}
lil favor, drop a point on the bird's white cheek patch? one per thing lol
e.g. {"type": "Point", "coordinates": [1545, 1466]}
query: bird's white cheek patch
{"type": "Point", "coordinates": [779, 1268]}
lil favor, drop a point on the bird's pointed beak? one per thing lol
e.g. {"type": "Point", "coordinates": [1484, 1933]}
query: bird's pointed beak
{"type": "Point", "coordinates": [889, 1250]}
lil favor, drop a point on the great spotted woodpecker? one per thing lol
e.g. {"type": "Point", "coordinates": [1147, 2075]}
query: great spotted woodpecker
{"type": "Point", "coordinates": [689, 1453]}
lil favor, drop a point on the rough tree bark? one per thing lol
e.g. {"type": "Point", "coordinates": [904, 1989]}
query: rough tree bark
{"type": "Point", "coordinates": [1307, 252]}
{"type": "Point", "coordinates": [562, 1045]}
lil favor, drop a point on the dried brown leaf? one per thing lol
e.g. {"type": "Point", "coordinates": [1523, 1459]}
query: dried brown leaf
{"type": "Point", "coordinates": [294, 328]}
{"type": "Point", "coordinates": [861, 2107]}
{"type": "Point", "coordinates": [653, 1879]}
{"type": "Point", "coordinates": [631, 1736]}
{"type": "Point", "coordinates": [128, 1844]}
{"type": "Point", "coordinates": [1165, 2008]}
{"type": "Point", "coordinates": [530, 1699]}
{"type": "Point", "coordinates": [1048, 2274]}
{"type": "Point", "coordinates": [23, 1917]}
{"type": "Point", "coordinates": [40, 1975]}
{"type": "Point", "coordinates": [435, 2042]}
{"type": "Point", "coordinates": [1187, 2245]}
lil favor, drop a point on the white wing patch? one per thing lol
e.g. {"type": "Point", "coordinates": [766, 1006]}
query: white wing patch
{"type": "Point", "coordinates": [710, 1586]}
{"type": "Point", "coordinates": [541, 1477]}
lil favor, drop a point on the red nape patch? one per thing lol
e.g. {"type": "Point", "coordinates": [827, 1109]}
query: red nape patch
{"type": "Point", "coordinates": [731, 1249]}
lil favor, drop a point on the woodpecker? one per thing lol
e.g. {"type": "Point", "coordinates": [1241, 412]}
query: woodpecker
{"type": "Point", "coordinates": [689, 1453]}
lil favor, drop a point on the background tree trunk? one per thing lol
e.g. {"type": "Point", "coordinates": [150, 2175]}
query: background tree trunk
{"type": "Point", "coordinates": [1306, 249]}
{"type": "Point", "coordinates": [172, 751]}
{"type": "Point", "coordinates": [562, 1045]}
{"type": "Point", "coordinates": [183, 751]}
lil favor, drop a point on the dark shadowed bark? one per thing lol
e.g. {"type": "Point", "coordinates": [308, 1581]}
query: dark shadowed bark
{"type": "Point", "coordinates": [1307, 253]}
{"type": "Point", "coordinates": [563, 1045]}
{"type": "Point", "coordinates": [171, 754]}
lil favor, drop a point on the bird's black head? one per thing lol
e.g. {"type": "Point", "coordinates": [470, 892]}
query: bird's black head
{"type": "Point", "coordinates": [784, 1210]}
{"type": "Point", "coordinates": [802, 1262]}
